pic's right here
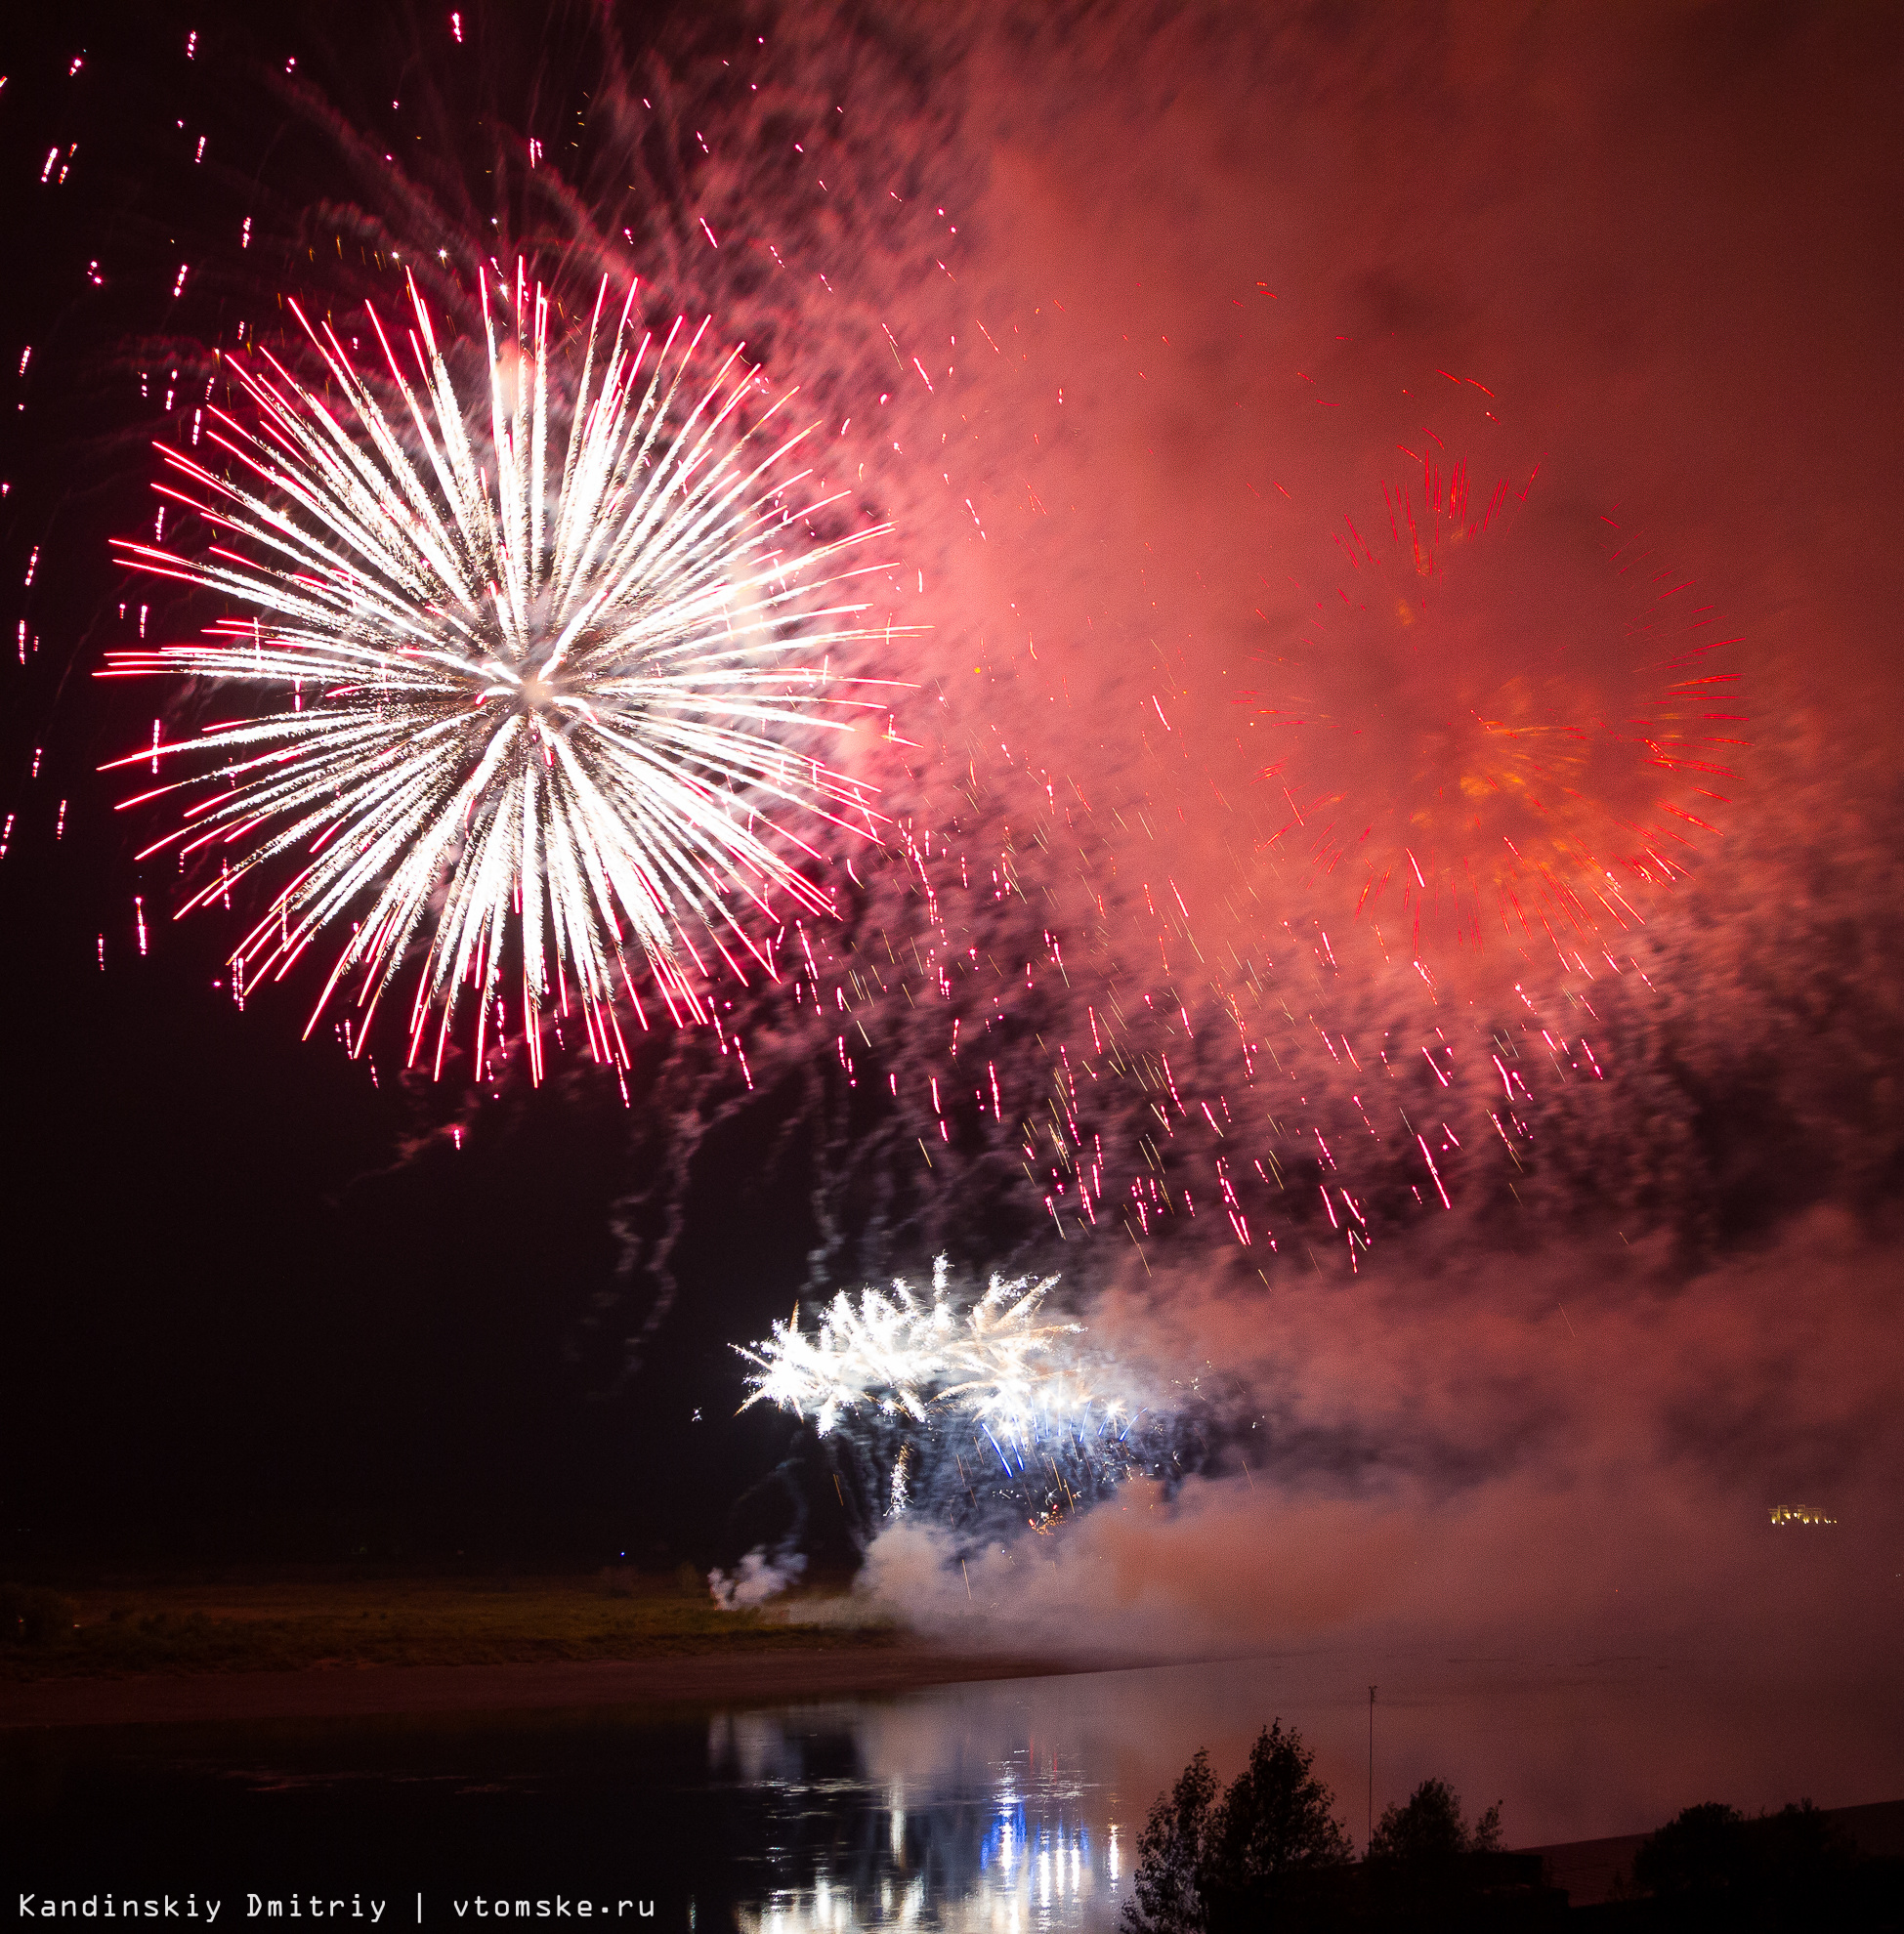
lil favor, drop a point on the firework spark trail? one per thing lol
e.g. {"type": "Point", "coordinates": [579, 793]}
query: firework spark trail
{"type": "Point", "coordinates": [1117, 1031]}
{"type": "Point", "coordinates": [537, 701]}
{"type": "Point", "coordinates": [1158, 1045]}
{"type": "Point", "coordinates": [1269, 1110]}
{"type": "Point", "coordinates": [1025, 978]}
{"type": "Point", "coordinates": [919, 1387]}
{"type": "Point", "coordinates": [1118, 1044]}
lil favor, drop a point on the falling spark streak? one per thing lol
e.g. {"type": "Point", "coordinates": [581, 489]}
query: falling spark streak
{"type": "Point", "coordinates": [538, 697]}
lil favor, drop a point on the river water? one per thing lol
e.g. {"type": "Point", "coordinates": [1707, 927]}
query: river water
{"type": "Point", "coordinates": [1012, 1805]}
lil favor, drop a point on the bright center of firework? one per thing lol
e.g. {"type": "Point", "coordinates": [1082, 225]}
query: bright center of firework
{"type": "Point", "coordinates": [544, 690]}
{"type": "Point", "coordinates": [536, 679]}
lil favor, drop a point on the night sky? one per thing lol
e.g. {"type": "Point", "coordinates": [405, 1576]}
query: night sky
{"type": "Point", "coordinates": [1179, 290]}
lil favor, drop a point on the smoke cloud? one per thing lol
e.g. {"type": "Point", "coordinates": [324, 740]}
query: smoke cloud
{"type": "Point", "coordinates": [1524, 1454]}
{"type": "Point", "coordinates": [1549, 1267]}
{"type": "Point", "coordinates": [1558, 1417]}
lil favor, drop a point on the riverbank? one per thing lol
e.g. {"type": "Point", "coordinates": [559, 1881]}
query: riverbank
{"type": "Point", "coordinates": [276, 1650]}
{"type": "Point", "coordinates": [728, 1678]}
{"type": "Point", "coordinates": [279, 1625]}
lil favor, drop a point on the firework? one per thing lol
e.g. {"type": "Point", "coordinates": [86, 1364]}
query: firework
{"type": "Point", "coordinates": [897, 1354]}
{"type": "Point", "coordinates": [1507, 720]}
{"type": "Point", "coordinates": [1174, 1041]}
{"type": "Point", "coordinates": [979, 1409]}
{"type": "Point", "coordinates": [532, 689]}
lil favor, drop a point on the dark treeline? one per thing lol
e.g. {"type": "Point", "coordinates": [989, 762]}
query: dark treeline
{"type": "Point", "coordinates": [1268, 1853]}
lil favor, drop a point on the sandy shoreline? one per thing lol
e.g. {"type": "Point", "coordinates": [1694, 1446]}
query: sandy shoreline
{"type": "Point", "coordinates": [357, 1692]}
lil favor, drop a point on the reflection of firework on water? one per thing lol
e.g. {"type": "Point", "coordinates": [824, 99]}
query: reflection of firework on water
{"type": "Point", "coordinates": [973, 1832]}
{"type": "Point", "coordinates": [976, 1409]}
{"type": "Point", "coordinates": [535, 689]}
{"type": "Point", "coordinates": [1506, 719]}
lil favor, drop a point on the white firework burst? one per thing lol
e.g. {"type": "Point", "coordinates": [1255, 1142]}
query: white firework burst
{"type": "Point", "coordinates": [531, 689]}
{"type": "Point", "coordinates": [979, 1411]}
{"type": "Point", "coordinates": [897, 1355]}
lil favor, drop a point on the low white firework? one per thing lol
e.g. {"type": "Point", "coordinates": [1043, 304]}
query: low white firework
{"type": "Point", "coordinates": [519, 710]}
{"type": "Point", "coordinates": [897, 1355]}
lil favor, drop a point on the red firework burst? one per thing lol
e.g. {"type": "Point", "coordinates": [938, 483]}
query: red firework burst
{"type": "Point", "coordinates": [1508, 721]}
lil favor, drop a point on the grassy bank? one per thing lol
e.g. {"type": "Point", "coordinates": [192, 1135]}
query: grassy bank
{"type": "Point", "coordinates": [107, 1631]}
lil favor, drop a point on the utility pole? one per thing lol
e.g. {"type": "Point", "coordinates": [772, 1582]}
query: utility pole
{"type": "Point", "coordinates": [1371, 1840]}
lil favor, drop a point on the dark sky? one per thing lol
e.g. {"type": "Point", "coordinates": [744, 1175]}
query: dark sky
{"type": "Point", "coordinates": [261, 1305]}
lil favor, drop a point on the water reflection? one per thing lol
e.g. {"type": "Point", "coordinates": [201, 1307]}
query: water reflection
{"type": "Point", "coordinates": [1013, 1838]}
{"type": "Point", "coordinates": [1008, 1806]}
{"type": "Point", "coordinates": [1017, 1806]}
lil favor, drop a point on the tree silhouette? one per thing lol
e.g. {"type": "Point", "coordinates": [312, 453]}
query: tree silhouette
{"type": "Point", "coordinates": [1426, 1866]}
{"type": "Point", "coordinates": [1165, 1895]}
{"type": "Point", "coordinates": [1429, 1828]}
{"type": "Point", "coordinates": [1260, 1856]}
{"type": "Point", "coordinates": [1702, 1851]}
{"type": "Point", "coordinates": [1712, 1866]}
